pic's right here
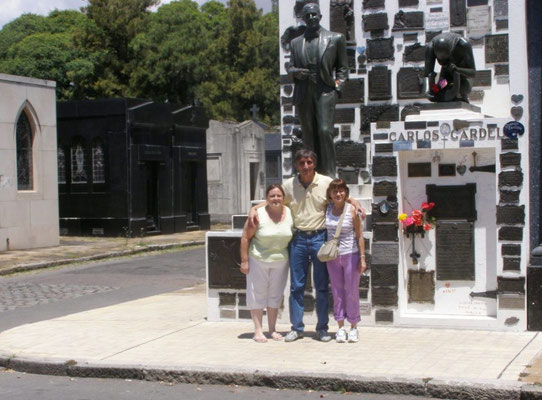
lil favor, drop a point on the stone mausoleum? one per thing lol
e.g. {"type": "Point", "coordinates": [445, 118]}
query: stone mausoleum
{"type": "Point", "coordinates": [131, 167]}
{"type": "Point", "coordinates": [28, 175]}
{"type": "Point", "coordinates": [478, 162]}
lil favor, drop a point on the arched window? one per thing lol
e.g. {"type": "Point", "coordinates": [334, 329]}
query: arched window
{"type": "Point", "coordinates": [78, 163]}
{"type": "Point", "coordinates": [61, 166]}
{"type": "Point", "coordinates": [25, 139]}
{"type": "Point", "coordinates": [98, 161]}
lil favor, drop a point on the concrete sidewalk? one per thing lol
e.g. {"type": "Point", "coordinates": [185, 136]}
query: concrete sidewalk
{"type": "Point", "coordinates": [167, 338]}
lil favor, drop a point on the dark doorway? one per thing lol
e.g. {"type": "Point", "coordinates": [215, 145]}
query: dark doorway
{"type": "Point", "coordinates": [151, 190]}
{"type": "Point", "coordinates": [254, 167]}
{"type": "Point", "coordinates": [189, 179]}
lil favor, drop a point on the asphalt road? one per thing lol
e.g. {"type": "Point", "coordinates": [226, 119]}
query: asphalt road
{"type": "Point", "coordinates": [17, 386]}
{"type": "Point", "coordinates": [46, 294]}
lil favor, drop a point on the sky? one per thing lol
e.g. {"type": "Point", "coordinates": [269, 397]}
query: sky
{"type": "Point", "coordinates": [12, 9]}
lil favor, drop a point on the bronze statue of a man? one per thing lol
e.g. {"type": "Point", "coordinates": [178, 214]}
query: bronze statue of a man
{"type": "Point", "coordinates": [319, 66]}
{"type": "Point", "coordinates": [454, 54]}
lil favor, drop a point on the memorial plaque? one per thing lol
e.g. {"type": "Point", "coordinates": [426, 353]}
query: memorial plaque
{"type": "Point", "coordinates": [288, 90]}
{"type": "Point", "coordinates": [391, 216]}
{"type": "Point", "coordinates": [385, 253]}
{"type": "Point", "coordinates": [410, 37]}
{"type": "Point", "coordinates": [412, 20]}
{"type": "Point", "coordinates": [286, 79]}
{"type": "Point", "coordinates": [384, 166]}
{"type": "Point", "coordinates": [501, 24]}
{"type": "Point", "coordinates": [478, 21]}
{"type": "Point", "coordinates": [410, 83]}
{"type": "Point", "coordinates": [510, 178]}
{"type": "Point", "coordinates": [286, 101]}
{"type": "Point", "coordinates": [423, 144]}
{"type": "Point", "coordinates": [509, 144]}
{"type": "Point", "coordinates": [429, 35]}
{"type": "Point", "coordinates": [380, 83]}
{"type": "Point", "coordinates": [421, 286]}
{"type": "Point", "coordinates": [510, 285]}
{"type": "Point", "coordinates": [372, 4]}
{"type": "Point", "coordinates": [379, 136]}
{"type": "Point", "coordinates": [384, 275]}
{"type": "Point", "coordinates": [349, 175]}
{"type": "Point", "coordinates": [351, 57]}
{"type": "Point", "coordinates": [380, 50]}
{"type": "Point", "coordinates": [341, 18]}
{"type": "Point", "coordinates": [226, 299]}
{"type": "Point", "coordinates": [345, 115]}
{"type": "Point", "coordinates": [384, 148]}
{"type": "Point", "coordinates": [514, 233]}
{"type": "Point", "coordinates": [482, 78]}
{"type": "Point", "coordinates": [225, 313]}
{"type": "Point", "coordinates": [453, 202]}
{"type": "Point", "coordinates": [287, 108]}
{"type": "Point", "coordinates": [475, 3]}
{"type": "Point", "coordinates": [455, 250]}
{"type": "Point", "coordinates": [238, 221]}
{"type": "Point", "coordinates": [509, 196]}
{"type": "Point", "coordinates": [353, 91]}
{"type": "Point", "coordinates": [510, 159]}
{"type": "Point", "coordinates": [419, 170]}
{"type": "Point", "coordinates": [496, 49]}
{"type": "Point", "coordinates": [224, 261]}
{"type": "Point", "coordinates": [501, 70]}
{"type": "Point", "coordinates": [375, 22]}
{"type": "Point", "coordinates": [458, 13]}
{"type": "Point", "coordinates": [346, 131]}
{"type": "Point", "coordinates": [242, 299]}
{"type": "Point", "coordinates": [383, 316]}
{"type": "Point", "coordinates": [446, 170]}
{"type": "Point", "coordinates": [477, 96]}
{"type": "Point", "coordinates": [384, 296]}
{"type": "Point", "coordinates": [408, 3]}
{"type": "Point", "coordinates": [437, 20]}
{"type": "Point", "coordinates": [351, 154]}
{"type": "Point", "coordinates": [409, 125]}
{"type": "Point", "coordinates": [385, 188]}
{"type": "Point", "coordinates": [385, 233]}
{"type": "Point", "coordinates": [375, 113]}
{"type": "Point", "coordinates": [513, 302]}
{"type": "Point", "coordinates": [511, 263]}
{"type": "Point", "coordinates": [510, 214]}
{"type": "Point", "coordinates": [414, 53]}
{"type": "Point", "coordinates": [290, 119]}
{"type": "Point", "coordinates": [500, 8]}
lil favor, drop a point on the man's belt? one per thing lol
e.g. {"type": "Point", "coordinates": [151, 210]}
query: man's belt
{"type": "Point", "coordinates": [308, 233]}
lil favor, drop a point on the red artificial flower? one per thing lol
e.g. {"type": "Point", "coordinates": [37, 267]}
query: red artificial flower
{"type": "Point", "coordinates": [435, 88]}
{"type": "Point", "coordinates": [427, 206]}
{"type": "Point", "coordinates": [427, 227]}
{"type": "Point", "coordinates": [417, 216]}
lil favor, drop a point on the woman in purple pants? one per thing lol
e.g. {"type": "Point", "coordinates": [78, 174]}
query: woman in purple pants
{"type": "Point", "coordinates": [345, 270]}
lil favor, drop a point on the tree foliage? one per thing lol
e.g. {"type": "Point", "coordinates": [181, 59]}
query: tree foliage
{"type": "Point", "coordinates": [224, 57]}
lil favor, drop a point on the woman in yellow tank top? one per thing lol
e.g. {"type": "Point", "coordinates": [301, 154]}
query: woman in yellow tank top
{"type": "Point", "coordinates": [264, 259]}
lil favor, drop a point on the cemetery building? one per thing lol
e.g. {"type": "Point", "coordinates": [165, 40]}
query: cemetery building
{"type": "Point", "coordinates": [479, 266]}
{"type": "Point", "coordinates": [131, 167]}
{"type": "Point", "coordinates": [28, 175]}
{"type": "Point", "coordinates": [235, 167]}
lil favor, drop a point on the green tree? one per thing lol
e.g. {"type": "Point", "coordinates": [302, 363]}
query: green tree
{"type": "Point", "coordinates": [111, 26]}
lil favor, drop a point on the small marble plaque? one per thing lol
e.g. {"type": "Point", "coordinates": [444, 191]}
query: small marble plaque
{"type": "Point", "coordinates": [385, 233]}
{"type": "Point", "coordinates": [482, 78]}
{"type": "Point", "coordinates": [414, 53]}
{"type": "Point", "coordinates": [500, 9]}
{"type": "Point", "coordinates": [375, 22]}
{"type": "Point", "coordinates": [351, 154]}
{"type": "Point", "coordinates": [478, 21]}
{"type": "Point", "coordinates": [384, 166]}
{"type": "Point", "coordinates": [372, 4]}
{"type": "Point", "coordinates": [353, 91]}
{"type": "Point", "coordinates": [345, 115]}
{"type": "Point", "coordinates": [421, 286]}
{"type": "Point", "coordinates": [385, 188]}
{"type": "Point", "coordinates": [412, 20]}
{"type": "Point", "coordinates": [437, 19]}
{"type": "Point", "coordinates": [410, 83]}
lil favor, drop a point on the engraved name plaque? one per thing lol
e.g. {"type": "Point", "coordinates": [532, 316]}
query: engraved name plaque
{"type": "Point", "coordinates": [455, 250]}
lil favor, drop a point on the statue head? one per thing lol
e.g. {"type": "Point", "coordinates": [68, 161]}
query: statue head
{"type": "Point", "coordinates": [311, 15]}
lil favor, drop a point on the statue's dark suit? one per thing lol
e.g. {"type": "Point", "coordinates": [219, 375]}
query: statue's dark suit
{"type": "Point", "coordinates": [315, 99]}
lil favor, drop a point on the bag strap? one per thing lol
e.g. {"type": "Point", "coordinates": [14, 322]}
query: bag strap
{"type": "Point", "coordinates": [340, 223]}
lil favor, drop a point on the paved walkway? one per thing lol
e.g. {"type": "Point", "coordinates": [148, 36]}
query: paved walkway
{"type": "Point", "coordinates": [167, 337]}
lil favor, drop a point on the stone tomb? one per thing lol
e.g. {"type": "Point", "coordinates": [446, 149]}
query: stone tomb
{"type": "Point", "coordinates": [468, 270]}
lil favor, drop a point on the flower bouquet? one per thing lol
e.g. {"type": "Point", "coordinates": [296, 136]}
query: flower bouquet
{"type": "Point", "coordinates": [418, 221]}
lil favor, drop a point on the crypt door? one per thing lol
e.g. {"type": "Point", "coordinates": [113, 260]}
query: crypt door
{"type": "Point", "coordinates": [189, 191]}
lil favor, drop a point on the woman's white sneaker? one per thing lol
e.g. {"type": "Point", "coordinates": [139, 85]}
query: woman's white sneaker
{"type": "Point", "coordinates": [340, 336]}
{"type": "Point", "coordinates": [353, 335]}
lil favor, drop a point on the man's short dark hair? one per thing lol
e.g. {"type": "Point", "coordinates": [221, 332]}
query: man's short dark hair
{"type": "Point", "coordinates": [303, 153]}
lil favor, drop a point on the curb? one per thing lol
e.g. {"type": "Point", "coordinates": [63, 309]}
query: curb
{"type": "Point", "coordinates": [467, 390]}
{"type": "Point", "coordinates": [145, 249]}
